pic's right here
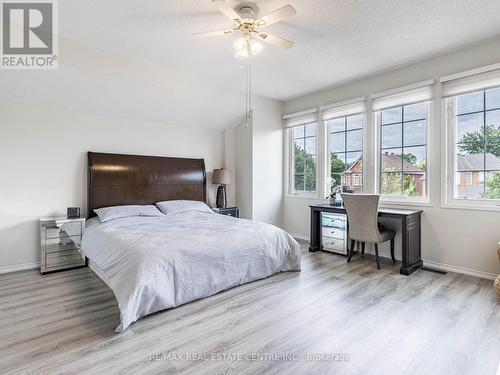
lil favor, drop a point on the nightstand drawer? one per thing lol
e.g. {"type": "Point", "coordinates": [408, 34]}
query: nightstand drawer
{"type": "Point", "coordinates": [66, 229]}
{"type": "Point", "coordinates": [64, 243]}
{"type": "Point", "coordinates": [68, 258]}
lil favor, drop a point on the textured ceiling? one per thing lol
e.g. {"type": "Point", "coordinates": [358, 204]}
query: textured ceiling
{"type": "Point", "coordinates": [336, 41]}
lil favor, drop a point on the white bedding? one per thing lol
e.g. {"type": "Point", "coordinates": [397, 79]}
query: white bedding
{"type": "Point", "coordinates": [155, 263]}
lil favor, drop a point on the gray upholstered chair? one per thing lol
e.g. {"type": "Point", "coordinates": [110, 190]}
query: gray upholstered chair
{"type": "Point", "coordinates": [362, 214]}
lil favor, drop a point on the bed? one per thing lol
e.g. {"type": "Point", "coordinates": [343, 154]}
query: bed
{"type": "Point", "coordinates": [156, 263]}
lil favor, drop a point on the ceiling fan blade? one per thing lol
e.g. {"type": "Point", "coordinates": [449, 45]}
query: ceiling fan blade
{"type": "Point", "coordinates": [276, 16]}
{"type": "Point", "coordinates": [226, 9]}
{"type": "Point", "coordinates": [276, 40]}
{"type": "Point", "coordinates": [212, 33]}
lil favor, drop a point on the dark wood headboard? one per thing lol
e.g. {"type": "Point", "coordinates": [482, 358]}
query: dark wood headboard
{"type": "Point", "coordinates": [115, 179]}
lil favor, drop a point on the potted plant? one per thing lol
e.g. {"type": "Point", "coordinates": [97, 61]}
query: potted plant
{"type": "Point", "coordinates": [334, 189]}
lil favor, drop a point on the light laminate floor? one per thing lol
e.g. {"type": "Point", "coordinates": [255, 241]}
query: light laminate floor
{"type": "Point", "coordinates": [382, 322]}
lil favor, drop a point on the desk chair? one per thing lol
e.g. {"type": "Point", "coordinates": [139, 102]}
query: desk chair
{"type": "Point", "coordinates": [362, 214]}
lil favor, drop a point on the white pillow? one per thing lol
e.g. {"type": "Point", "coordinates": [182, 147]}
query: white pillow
{"type": "Point", "coordinates": [117, 212]}
{"type": "Point", "coordinates": [178, 206]}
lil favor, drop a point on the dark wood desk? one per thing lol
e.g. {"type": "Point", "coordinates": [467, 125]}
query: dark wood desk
{"type": "Point", "coordinates": [411, 232]}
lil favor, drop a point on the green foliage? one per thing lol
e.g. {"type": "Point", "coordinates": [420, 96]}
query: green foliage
{"type": "Point", "coordinates": [493, 186]}
{"type": "Point", "coordinates": [391, 185]}
{"type": "Point", "coordinates": [337, 168]}
{"type": "Point", "coordinates": [477, 142]}
{"type": "Point", "coordinates": [422, 165]}
{"type": "Point", "coordinates": [474, 142]}
{"type": "Point", "coordinates": [410, 158]}
{"type": "Point", "coordinates": [305, 170]}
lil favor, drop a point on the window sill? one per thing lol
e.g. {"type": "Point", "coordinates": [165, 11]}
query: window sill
{"type": "Point", "coordinates": [302, 195]}
{"type": "Point", "coordinates": [473, 207]}
{"type": "Point", "coordinates": [413, 203]}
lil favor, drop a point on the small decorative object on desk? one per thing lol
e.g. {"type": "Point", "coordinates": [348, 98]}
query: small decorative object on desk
{"type": "Point", "coordinates": [60, 240]}
{"type": "Point", "coordinates": [334, 189]}
{"type": "Point", "coordinates": [497, 281]}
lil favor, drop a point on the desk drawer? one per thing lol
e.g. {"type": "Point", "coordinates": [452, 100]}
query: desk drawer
{"type": "Point", "coordinates": [334, 244]}
{"type": "Point", "coordinates": [333, 232]}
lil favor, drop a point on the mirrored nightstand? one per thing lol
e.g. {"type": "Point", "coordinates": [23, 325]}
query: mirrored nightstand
{"type": "Point", "coordinates": [60, 240]}
{"type": "Point", "coordinates": [229, 211]}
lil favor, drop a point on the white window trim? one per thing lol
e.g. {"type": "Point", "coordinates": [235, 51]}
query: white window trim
{"type": "Point", "coordinates": [413, 201]}
{"type": "Point", "coordinates": [289, 191]}
{"type": "Point", "coordinates": [448, 162]}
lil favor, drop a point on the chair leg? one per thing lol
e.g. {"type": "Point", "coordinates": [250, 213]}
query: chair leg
{"type": "Point", "coordinates": [351, 250]}
{"type": "Point", "coordinates": [376, 256]}
{"type": "Point", "coordinates": [392, 250]}
{"type": "Point", "coordinates": [362, 249]}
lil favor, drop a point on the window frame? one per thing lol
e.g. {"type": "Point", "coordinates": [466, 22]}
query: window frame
{"type": "Point", "coordinates": [449, 160]}
{"type": "Point", "coordinates": [328, 167]}
{"type": "Point", "coordinates": [290, 189]}
{"type": "Point", "coordinates": [377, 120]}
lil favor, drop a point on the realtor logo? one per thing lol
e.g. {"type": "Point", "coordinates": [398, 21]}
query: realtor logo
{"type": "Point", "coordinates": [29, 35]}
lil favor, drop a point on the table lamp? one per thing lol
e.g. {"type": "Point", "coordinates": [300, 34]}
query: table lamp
{"type": "Point", "coordinates": [221, 177]}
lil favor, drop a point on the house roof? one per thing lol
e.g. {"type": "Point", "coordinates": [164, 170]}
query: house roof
{"type": "Point", "coordinates": [393, 161]}
{"type": "Point", "coordinates": [475, 162]}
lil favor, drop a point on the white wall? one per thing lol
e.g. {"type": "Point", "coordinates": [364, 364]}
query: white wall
{"type": "Point", "coordinates": [43, 164]}
{"type": "Point", "coordinates": [243, 166]}
{"type": "Point", "coordinates": [458, 238]}
{"type": "Point", "coordinates": [268, 162]}
{"type": "Point", "coordinates": [257, 151]}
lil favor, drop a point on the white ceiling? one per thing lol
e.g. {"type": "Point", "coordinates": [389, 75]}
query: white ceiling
{"type": "Point", "coordinates": [200, 80]}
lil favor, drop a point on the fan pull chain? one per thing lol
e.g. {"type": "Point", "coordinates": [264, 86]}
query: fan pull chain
{"type": "Point", "coordinates": [249, 90]}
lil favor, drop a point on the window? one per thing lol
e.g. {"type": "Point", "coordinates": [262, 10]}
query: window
{"type": "Point", "coordinates": [303, 158]}
{"type": "Point", "coordinates": [475, 121]}
{"type": "Point", "coordinates": [403, 150]}
{"type": "Point", "coordinates": [346, 152]}
{"type": "Point", "coordinates": [358, 180]}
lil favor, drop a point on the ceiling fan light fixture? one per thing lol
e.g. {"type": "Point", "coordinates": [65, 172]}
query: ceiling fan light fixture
{"type": "Point", "coordinates": [240, 47]}
{"type": "Point", "coordinates": [255, 47]}
{"type": "Point", "coordinates": [246, 46]}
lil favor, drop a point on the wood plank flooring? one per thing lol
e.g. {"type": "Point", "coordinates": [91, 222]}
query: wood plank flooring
{"type": "Point", "coordinates": [379, 322]}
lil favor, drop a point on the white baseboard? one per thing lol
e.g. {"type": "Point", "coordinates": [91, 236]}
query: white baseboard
{"type": "Point", "coordinates": [300, 236]}
{"type": "Point", "coordinates": [435, 265]}
{"type": "Point", "coordinates": [457, 269]}
{"type": "Point", "coordinates": [20, 267]}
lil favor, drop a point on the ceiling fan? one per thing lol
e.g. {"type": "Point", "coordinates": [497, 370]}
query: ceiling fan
{"type": "Point", "coordinates": [251, 28]}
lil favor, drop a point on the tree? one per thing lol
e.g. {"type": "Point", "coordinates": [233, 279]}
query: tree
{"type": "Point", "coordinates": [410, 158]}
{"type": "Point", "coordinates": [493, 186]}
{"type": "Point", "coordinates": [305, 170]}
{"type": "Point", "coordinates": [391, 185]}
{"type": "Point", "coordinates": [474, 142]}
{"type": "Point", "coordinates": [337, 168]}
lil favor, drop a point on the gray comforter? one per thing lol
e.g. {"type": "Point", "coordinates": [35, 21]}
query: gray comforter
{"type": "Point", "coordinates": [155, 263]}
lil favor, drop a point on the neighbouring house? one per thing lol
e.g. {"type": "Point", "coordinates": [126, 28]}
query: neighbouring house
{"type": "Point", "coordinates": [353, 177]}
{"type": "Point", "coordinates": [472, 171]}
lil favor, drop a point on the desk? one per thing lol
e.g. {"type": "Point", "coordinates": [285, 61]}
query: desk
{"type": "Point", "coordinates": [410, 224]}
